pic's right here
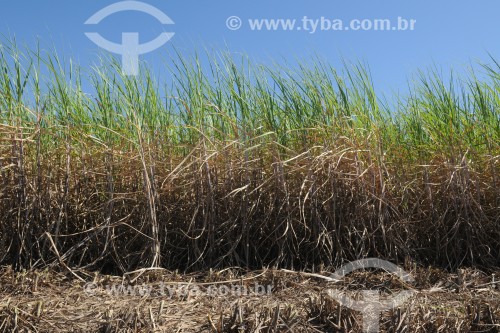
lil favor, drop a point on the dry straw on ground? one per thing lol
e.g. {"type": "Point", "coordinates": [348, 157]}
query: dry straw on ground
{"type": "Point", "coordinates": [39, 301]}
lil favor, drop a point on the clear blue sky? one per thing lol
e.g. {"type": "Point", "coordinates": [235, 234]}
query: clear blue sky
{"type": "Point", "coordinates": [447, 33]}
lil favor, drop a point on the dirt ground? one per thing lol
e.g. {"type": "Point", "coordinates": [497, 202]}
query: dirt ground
{"type": "Point", "coordinates": [234, 300]}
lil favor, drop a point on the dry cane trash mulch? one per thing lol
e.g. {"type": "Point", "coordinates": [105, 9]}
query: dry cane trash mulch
{"type": "Point", "coordinates": [234, 300]}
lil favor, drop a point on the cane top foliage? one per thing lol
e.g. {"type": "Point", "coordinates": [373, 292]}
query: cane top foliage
{"type": "Point", "coordinates": [233, 99]}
